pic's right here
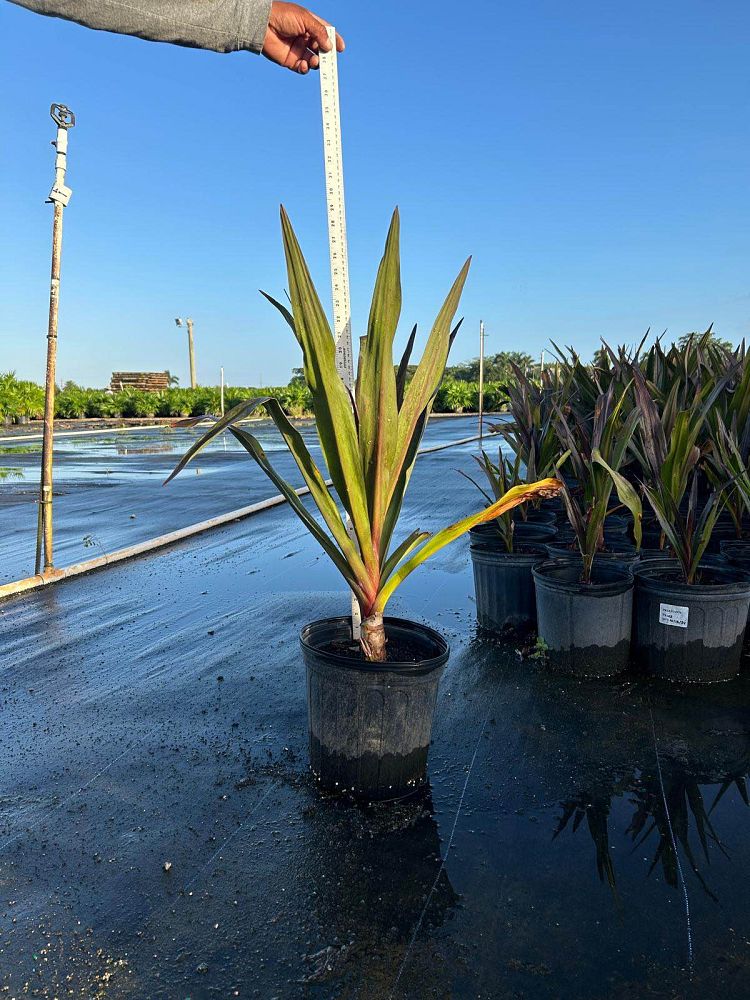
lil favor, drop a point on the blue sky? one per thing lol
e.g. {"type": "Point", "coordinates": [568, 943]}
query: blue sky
{"type": "Point", "coordinates": [593, 157]}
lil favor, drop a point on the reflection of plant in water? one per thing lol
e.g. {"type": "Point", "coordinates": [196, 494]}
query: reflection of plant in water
{"type": "Point", "coordinates": [687, 813]}
{"type": "Point", "coordinates": [684, 800]}
{"type": "Point", "coordinates": [20, 449]}
{"type": "Point", "coordinates": [6, 473]}
{"type": "Point", "coordinates": [596, 811]}
{"type": "Point", "coordinates": [735, 776]}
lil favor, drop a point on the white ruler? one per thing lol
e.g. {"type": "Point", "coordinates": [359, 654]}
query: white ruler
{"type": "Point", "coordinates": [334, 170]}
{"type": "Point", "coordinates": [339, 253]}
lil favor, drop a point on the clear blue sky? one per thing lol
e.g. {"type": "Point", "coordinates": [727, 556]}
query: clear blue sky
{"type": "Point", "coordinates": [594, 158]}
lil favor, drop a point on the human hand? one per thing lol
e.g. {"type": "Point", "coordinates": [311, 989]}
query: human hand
{"type": "Point", "coordinates": [294, 36]}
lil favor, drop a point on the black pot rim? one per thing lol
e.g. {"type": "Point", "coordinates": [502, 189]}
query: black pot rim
{"type": "Point", "coordinates": [492, 554]}
{"type": "Point", "coordinates": [619, 582]}
{"type": "Point", "coordinates": [417, 632]}
{"type": "Point", "coordinates": [652, 578]}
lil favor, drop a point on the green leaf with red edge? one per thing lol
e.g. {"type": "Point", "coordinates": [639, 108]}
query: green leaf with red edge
{"type": "Point", "coordinates": [251, 444]}
{"type": "Point", "coordinates": [334, 418]}
{"type": "Point", "coordinates": [376, 394]}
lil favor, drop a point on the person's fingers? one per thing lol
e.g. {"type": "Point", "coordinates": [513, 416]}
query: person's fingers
{"type": "Point", "coordinates": [316, 29]}
{"type": "Point", "coordinates": [301, 59]}
{"type": "Point", "coordinates": [340, 44]}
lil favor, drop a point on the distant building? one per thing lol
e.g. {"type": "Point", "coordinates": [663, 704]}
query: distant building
{"type": "Point", "coordinates": [145, 381]}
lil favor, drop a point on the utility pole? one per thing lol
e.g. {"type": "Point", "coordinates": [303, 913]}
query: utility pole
{"type": "Point", "coordinates": [191, 349]}
{"type": "Point", "coordinates": [59, 197]}
{"type": "Point", "coordinates": [481, 382]}
{"type": "Point", "coordinates": [222, 392]}
{"type": "Point", "coordinates": [541, 366]}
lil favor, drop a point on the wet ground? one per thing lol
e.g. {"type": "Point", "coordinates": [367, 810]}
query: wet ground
{"type": "Point", "coordinates": [159, 836]}
{"type": "Point", "coordinates": [108, 487]}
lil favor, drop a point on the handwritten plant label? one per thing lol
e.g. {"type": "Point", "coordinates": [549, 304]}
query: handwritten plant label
{"type": "Point", "coordinates": [673, 614]}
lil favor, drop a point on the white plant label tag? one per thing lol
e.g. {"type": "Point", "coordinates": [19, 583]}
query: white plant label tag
{"type": "Point", "coordinates": [673, 614]}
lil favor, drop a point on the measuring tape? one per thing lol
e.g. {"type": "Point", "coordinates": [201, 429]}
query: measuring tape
{"type": "Point", "coordinates": [334, 171]}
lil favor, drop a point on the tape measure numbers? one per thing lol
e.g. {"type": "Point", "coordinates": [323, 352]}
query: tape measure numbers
{"type": "Point", "coordinates": [337, 245]}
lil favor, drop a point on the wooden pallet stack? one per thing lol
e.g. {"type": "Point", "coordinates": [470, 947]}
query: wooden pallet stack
{"type": "Point", "coordinates": [144, 381]}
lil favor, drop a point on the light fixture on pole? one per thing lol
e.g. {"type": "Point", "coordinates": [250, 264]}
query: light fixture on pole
{"type": "Point", "coordinates": [191, 349]}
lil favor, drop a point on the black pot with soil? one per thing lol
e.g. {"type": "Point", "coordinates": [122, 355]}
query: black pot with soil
{"type": "Point", "coordinates": [504, 586]}
{"type": "Point", "coordinates": [540, 516]}
{"type": "Point", "coordinates": [371, 723]}
{"type": "Point", "coordinates": [585, 627]}
{"type": "Point", "coordinates": [690, 632]}
{"type": "Point", "coordinates": [524, 533]}
{"type": "Point", "coordinates": [737, 552]}
{"type": "Point", "coordinates": [620, 551]}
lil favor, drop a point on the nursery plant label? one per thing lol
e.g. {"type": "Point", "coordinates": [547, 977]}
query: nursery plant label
{"type": "Point", "coordinates": [673, 614]}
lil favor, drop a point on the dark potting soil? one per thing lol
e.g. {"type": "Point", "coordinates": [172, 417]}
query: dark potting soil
{"type": "Point", "coordinates": [396, 651]}
{"type": "Point", "coordinates": [706, 577]}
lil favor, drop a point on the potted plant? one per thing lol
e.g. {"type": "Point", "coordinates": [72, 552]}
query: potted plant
{"type": "Point", "coordinates": [584, 601]}
{"type": "Point", "coordinates": [690, 617]}
{"type": "Point", "coordinates": [503, 551]}
{"type": "Point", "coordinates": [370, 702]}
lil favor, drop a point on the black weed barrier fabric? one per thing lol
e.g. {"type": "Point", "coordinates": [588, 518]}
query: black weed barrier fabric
{"type": "Point", "coordinates": [160, 836]}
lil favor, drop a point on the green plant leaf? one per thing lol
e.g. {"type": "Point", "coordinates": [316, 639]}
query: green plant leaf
{"type": "Point", "coordinates": [253, 447]}
{"type": "Point", "coordinates": [519, 494]}
{"type": "Point", "coordinates": [627, 495]}
{"type": "Point", "coordinates": [333, 410]}
{"type": "Point", "coordinates": [376, 396]}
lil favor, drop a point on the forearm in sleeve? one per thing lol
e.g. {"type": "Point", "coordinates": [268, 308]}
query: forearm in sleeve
{"type": "Point", "coordinates": [221, 25]}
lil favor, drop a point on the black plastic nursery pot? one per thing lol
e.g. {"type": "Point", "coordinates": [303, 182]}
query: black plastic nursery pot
{"type": "Point", "coordinates": [370, 724]}
{"type": "Point", "coordinates": [585, 627]}
{"type": "Point", "coordinates": [690, 632]}
{"type": "Point", "coordinates": [504, 587]}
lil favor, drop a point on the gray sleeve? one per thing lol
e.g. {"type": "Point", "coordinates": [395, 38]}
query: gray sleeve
{"type": "Point", "coordinates": [221, 25]}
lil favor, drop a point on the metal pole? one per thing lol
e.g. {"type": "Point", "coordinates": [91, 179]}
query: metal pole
{"type": "Point", "coordinates": [59, 196]}
{"type": "Point", "coordinates": [191, 349]}
{"type": "Point", "coordinates": [481, 382]}
{"type": "Point", "coordinates": [222, 392]}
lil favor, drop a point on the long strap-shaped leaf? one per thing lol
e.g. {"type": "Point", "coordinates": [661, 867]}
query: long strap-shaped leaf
{"type": "Point", "coordinates": [238, 412]}
{"type": "Point", "coordinates": [376, 392]}
{"type": "Point", "coordinates": [253, 447]}
{"type": "Point", "coordinates": [333, 410]}
{"type": "Point", "coordinates": [403, 367]}
{"type": "Point", "coordinates": [627, 495]}
{"type": "Point", "coordinates": [305, 463]}
{"type": "Point", "coordinates": [423, 386]}
{"type": "Point", "coordinates": [318, 489]}
{"type": "Point", "coordinates": [546, 487]}
{"type": "Point", "coordinates": [407, 465]}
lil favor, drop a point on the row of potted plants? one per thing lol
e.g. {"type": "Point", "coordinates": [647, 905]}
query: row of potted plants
{"type": "Point", "coordinates": [590, 444]}
{"type": "Point", "coordinates": [21, 401]}
{"type": "Point", "coordinates": [648, 563]}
